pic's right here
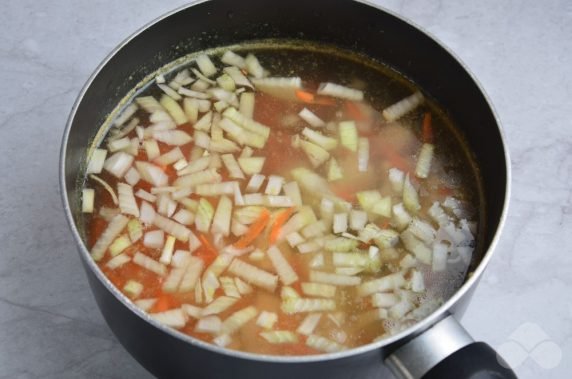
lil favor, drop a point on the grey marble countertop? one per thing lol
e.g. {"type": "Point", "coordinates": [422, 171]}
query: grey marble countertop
{"type": "Point", "coordinates": [520, 50]}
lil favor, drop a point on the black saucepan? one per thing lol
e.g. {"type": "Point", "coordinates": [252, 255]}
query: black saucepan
{"type": "Point", "coordinates": [437, 347]}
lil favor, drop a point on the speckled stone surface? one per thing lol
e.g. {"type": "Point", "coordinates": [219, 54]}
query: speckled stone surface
{"type": "Point", "coordinates": [521, 51]}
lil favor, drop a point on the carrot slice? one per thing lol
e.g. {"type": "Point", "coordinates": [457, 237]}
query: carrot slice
{"type": "Point", "coordinates": [427, 129]}
{"type": "Point", "coordinates": [207, 252]}
{"type": "Point", "coordinates": [164, 303]}
{"type": "Point", "coordinates": [281, 218]}
{"type": "Point", "coordinates": [305, 96]}
{"type": "Point", "coordinates": [310, 98]}
{"type": "Point", "coordinates": [254, 231]}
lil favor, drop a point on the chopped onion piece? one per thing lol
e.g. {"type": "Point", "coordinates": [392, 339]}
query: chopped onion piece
{"type": "Point", "coordinates": [127, 202]}
{"type": "Point", "coordinates": [383, 284]}
{"type": "Point", "coordinates": [334, 170]}
{"type": "Point", "coordinates": [254, 199]}
{"type": "Point", "coordinates": [253, 275]}
{"type": "Point", "coordinates": [292, 191]}
{"type": "Point", "coordinates": [238, 77]}
{"type": "Point", "coordinates": [121, 243]}
{"type": "Point", "coordinates": [294, 239]}
{"type": "Point", "coordinates": [171, 227]}
{"type": "Point", "coordinates": [396, 178]}
{"type": "Point", "coordinates": [152, 174]}
{"type": "Point", "coordinates": [340, 223]}
{"type": "Point", "coordinates": [341, 244]}
{"type": "Point", "coordinates": [169, 91]}
{"type": "Point", "coordinates": [191, 278]}
{"type": "Point", "coordinates": [168, 248]}
{"type": "Point", "coordinates": [125, 115]}
{"type": "Point", "coordinates": [149, 104]}
{"type": "Point", "coordinates": [149, 264]}
{"type": "Point", "coordinates": [229, 287]}
{"type": "Point", "coordinates": [206, 176]}
{"type": "Point", "coordinates": [302, 305]}
{"type": "Point", "coordinates": [315, 153]}
{"type": "Point", "coordinates": [417, 284]}
{"type": "Point", "coordinates": [184, 217]}
{"type": "Point", "coordinates": [194, 166]}
{"type": "Point", "coordinates": [203, 82]}
{"type": "Point", "coordinates": [317, 261]}
{"type": "Point", "coordinates": [87, 200]}
{"type": "Point", "coordinates": [133, 289]}
{"type": "Point", "coordinates": [222, 340]}
{"type": "Point", "coordinates": [288, 292]}
{"type": "Point", "coordinates": [422, 230]}
{"type": "Point", "coordinates": [308, 247]}
{"type": "Point", "coordinates": [238, 319]}
{"type": "Point", "coordinates": [363, 154]}
{"type": "Point", "coordinates": [174, 110]}
{"type": "Point", "coordinates": [232, 59]}
{"type": "Point", "coordinates": [192, 311]}
{"type": "Point", "coordinates": [327, 143]}
{"type": "Point", "coordinates": [266, 319]}
{"type": "Point", "coordinates": [210, 324]}
{"type": "Point", "coordinates": [279, 336]}
{"type": "Point", "coordinates": [169, 157]}
{"type": "Point", "coordinates": [316, 229]}
{"type": "Point", "coordinates": [247, 123]}
{"type": "Point", "coordinates": [151, 148]}
{"type": "Point", "coordinates": [135, 230]}
{"type": "Point", "coordinates": [175, 318]}
{"type": "Point", "coordinates": [243, 287]}
{"type": "Point", "coordinates": [401, 218]}
{"type": "Point", "coordinates": [173, 280]}
{"type": "Point", "coordinates": [206, 65]}
{"type": "Point", "coordinates": [424, 161]}
{"type": "Point", "coordinates": [416, 246]}
{"type": "Point", "coordinates": [118, 261]}
{"type": "Point", "coordinates": [335, 279]}
{"type": "Point", "coordinates": [410, 196]}
{"type": "Point", "coordinates": [132, 176]}
{"type": "Point", "coordinates": [348, 135]}
{"type": "Point", "coordinates": [282, 88]}
{"type": "Point", "coordinates": [222, 216]}
{"type": "Point", "coordinates": [154, 239]}
{"type": "Point", "coordinates": [114, 228]}
{"type": "Point", "coordinates": [403, 106]}
{"type": "Point", "coordinates": [145, 304]}
{"type": "Point", "coordinates": [408, 261]}
{"type": "Point", "coordinates": [253, 66]}
{"type": "Point", "coordinates": [309, 324]}
{"type": "Point", "coordinates": [358, 219]}
{"type": "Point", "coordinates": [318, 289]}
{"type": "Point", "coordinates": [251, 165]}
{"type": "Point", "coordinates": [96, 161]}
{"type": "Point", "coordinates": [400, 309]}
{"type": "Point", "coordinates": [311, 118]}
{"type": "Point", "coordinates": [172, 137]}
{"type": "Point", "coordinates": [240, 135]}
{"type": "Point", "coordinates": [220, 304]}
{"type": "Point", "coordinates": [303, 217]}
{"type": "Point", "coordinates": [439, 257]}
{"type": "Point", "coordinates": [246, 104]}
{"type": "Point", "coordinates": [147, 213]}
{"type": "Point", "coordinates": [336, 90]}
{"type": "Point", "coordinates": [232, 166]}
{"type": "Point", "coordinates": [384, 300]}
{"type": "Point", "coordinates": [277, 201]}
{"type": "Point", "coordinates": [282, 266]}
{"type": "Point", "coordinates": [118, 164]}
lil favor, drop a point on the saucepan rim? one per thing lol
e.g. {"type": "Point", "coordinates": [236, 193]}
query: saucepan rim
{"type": "Point", "coordinates": [411, 331]}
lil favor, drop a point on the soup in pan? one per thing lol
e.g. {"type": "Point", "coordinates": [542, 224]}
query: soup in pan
{"type": "Point", "coordinates": [282, 200]}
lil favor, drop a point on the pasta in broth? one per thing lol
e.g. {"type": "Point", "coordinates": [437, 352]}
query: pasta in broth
{"type": "Point", "coordinates": [282, 200]}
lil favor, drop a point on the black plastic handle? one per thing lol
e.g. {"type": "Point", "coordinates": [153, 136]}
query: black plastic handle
{"type": "Point", "coordinates": [474, 361]}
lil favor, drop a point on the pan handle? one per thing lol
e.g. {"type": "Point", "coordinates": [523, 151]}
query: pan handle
{"type": "Point", "coordinates": [444, 351]}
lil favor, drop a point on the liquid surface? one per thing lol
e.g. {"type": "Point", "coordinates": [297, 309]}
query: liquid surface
{"type": "Point", "coordinates": [325, 290]}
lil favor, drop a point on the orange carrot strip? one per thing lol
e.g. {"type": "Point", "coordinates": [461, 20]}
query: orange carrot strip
{"type": "Point", "coordinates": [164, 303]}
{"type": "Point", "coordinates": [427, 129]}
{"type": "Point", "coordinates": [207, 252]}
{"type": "Point", "coordinates": [305, 96]}
{"type": "Point", "coordinates": [254, 231]}
{"type": "Point", "coordinates": [281, 218]}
